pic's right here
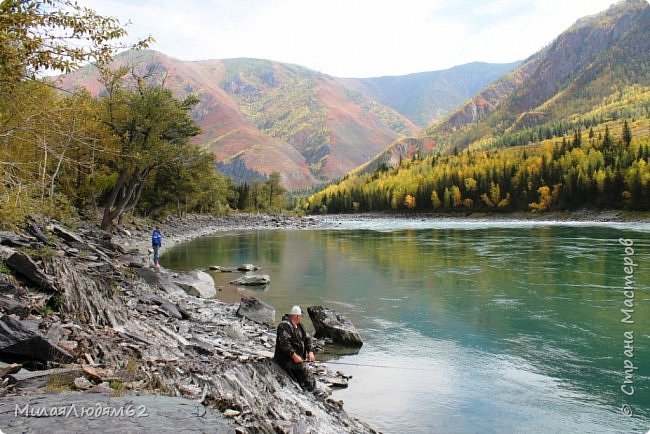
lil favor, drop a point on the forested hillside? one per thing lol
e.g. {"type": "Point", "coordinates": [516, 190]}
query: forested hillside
{"type": "Point", "coordinates": [601, 168]}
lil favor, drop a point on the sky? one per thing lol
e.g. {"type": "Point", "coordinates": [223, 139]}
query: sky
{"type": "Point", "coordinates": [351, 38]}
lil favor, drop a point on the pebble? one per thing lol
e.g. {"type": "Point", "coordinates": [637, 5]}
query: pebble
{"type": "Point", "coordinates": [231, 413]}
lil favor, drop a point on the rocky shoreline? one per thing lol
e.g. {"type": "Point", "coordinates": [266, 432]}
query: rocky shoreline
{"type": "Point", "coordinates": [81, 328]}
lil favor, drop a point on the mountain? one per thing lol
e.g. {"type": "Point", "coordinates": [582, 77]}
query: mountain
{"type": "Point", "coordinates": [259, 116]}
{"type": "Point", "coordinates": [567, 129]}
{"type": "Point", "coordinates": [331, 127]}
{"type": "Point", "coordinates": [426, 97]}
{"type": "Point", "coordinates": [595, 60]}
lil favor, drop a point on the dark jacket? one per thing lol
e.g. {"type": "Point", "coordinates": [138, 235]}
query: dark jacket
{"type": "Point", "coordinates": [290, 339]}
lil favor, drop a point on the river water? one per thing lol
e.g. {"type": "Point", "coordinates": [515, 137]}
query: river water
{"type": "Point", "coordinates": [468, 326]}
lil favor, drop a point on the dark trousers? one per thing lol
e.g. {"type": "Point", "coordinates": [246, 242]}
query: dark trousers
{"type": "Point", "coordinates": [155, 254]}
{"type": "Point", "coordinates": [301, 373]}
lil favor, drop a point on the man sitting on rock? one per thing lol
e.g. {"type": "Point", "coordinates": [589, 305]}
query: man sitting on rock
{"type": "Point", "coordinates": [293, 348]}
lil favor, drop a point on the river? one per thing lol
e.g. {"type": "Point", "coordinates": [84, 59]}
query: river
{"type": "Point", "coordinates": [468, 325]}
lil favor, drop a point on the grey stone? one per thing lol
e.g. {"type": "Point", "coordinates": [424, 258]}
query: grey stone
{"type": "Point", "coordinates": [11, 306]}
{"type": "Point", "coordinates": [331, 324]}
{"type": "Point", "coordinates": [231, 413]}
{"type": "Point", "coordinates": [6, 286]}
{"type": "Point", "coordinates": [36, 231]}
{"type": "Point", "coordinates": [67, 235]}
{"type": "Point", "coordinates": [167, 306]}
{"type": "Point", "coordinates": [10, 369]}
{"type": "Point", "coordinates": [82, 383]}
{"type": "Point", "coordinates": [256, 310]}
{"type": "Point", "coordinates": [222, 269]}
{"type": "Point", "coordinates": [234, 331]}
{"type": "Point", "coordinates": [247, 267]}
{"type": "Point", "coordinates": [160, 280]}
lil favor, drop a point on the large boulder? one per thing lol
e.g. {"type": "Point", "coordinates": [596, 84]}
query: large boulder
{"type": "Point", "coordinates": [18, 339]}
{"type": "Point", "coordinates": [252, 280]}
{"type": "Point", "coordinates": [256, 310]}
{"type": "Point", "coordinates": [197, 283]}
{"type": "Point", "coordinates": [330, 324]}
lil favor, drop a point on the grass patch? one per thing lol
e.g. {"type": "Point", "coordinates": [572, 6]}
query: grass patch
{"type": "Point", "coordinates": [57, 383]}
{"type": "Point", "coordinates": [118, 388]}
{"type": "Point", "coordinates": [47, 311]}
{"type": "Point", "coordinates": [46, 252]}
{"type": "Point", "coordinates": [55, 302]}
{"type": "Point", "coordinates": [131, 366]}
{"type": "Point", "coordinates": [4, 269]}
{"type": "Point", "coordinates": [157, 386]}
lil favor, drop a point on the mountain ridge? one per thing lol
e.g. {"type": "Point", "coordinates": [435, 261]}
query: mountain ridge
{"type": "Point", "coordinates": [570, 69]}
{"type": "Point", "coordinates": [427, 96]}
{"type": "Point", "coordinates": [258, 116]}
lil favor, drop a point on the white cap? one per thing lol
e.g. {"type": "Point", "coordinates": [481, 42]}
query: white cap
{"type": "Point", "coordinates": [295, 311]}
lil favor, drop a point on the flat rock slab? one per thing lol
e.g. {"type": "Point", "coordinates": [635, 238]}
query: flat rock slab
{"type": "Point", "coordinates": [160, 280]}
{"type": "Point", "coordinates": [36, 379]}
{"type": "Point", "coordinates": [13, 239]}
{"type": "Point", "coordinates": [330, 324]}
{"type": "Point", "coordinates": [253, 280]}
{"type": "Point", "coordinates": [77, 412]}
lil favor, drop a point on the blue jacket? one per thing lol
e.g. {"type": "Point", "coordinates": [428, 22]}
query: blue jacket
{"type": "Point", "coordinates": [156, 238]}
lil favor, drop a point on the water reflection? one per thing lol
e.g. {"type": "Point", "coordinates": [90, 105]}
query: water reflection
{"type": "Point", "coordinates": [518, 322]}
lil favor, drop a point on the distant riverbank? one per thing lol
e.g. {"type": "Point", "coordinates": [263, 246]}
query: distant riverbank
{"type": "Point", "coordinates": [179, 229]}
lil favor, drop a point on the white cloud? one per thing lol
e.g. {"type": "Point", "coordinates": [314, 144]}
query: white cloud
{"type": "Point", "coordinates": [352, 37]}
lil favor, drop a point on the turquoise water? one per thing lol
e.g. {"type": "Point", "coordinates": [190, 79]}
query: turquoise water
{"type": "Point", "coordinates": [472, 326]}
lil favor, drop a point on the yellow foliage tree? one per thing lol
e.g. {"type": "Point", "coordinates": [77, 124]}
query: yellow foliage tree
{"type": "Point", "coordinates": [470, 184]}
{"type": "Point", "coordinates": [435, 200]}
{"type": "Point", "coordinates": [546, 198]}
{"type": "Point", "coordinates": [409, 201]}
{"type": "Point", "coordinates": [457, 198]}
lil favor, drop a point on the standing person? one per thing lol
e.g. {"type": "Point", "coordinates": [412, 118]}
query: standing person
{"type": "Point", "coordinates": [293, 348]}
{"type": "Point", "coordinates": [156, 242]}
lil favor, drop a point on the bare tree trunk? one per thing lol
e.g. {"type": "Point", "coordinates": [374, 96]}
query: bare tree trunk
{"type": "Point", "coordinates": [44, 170]}
{"type": "Point", "coordinates": [109, 216]}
